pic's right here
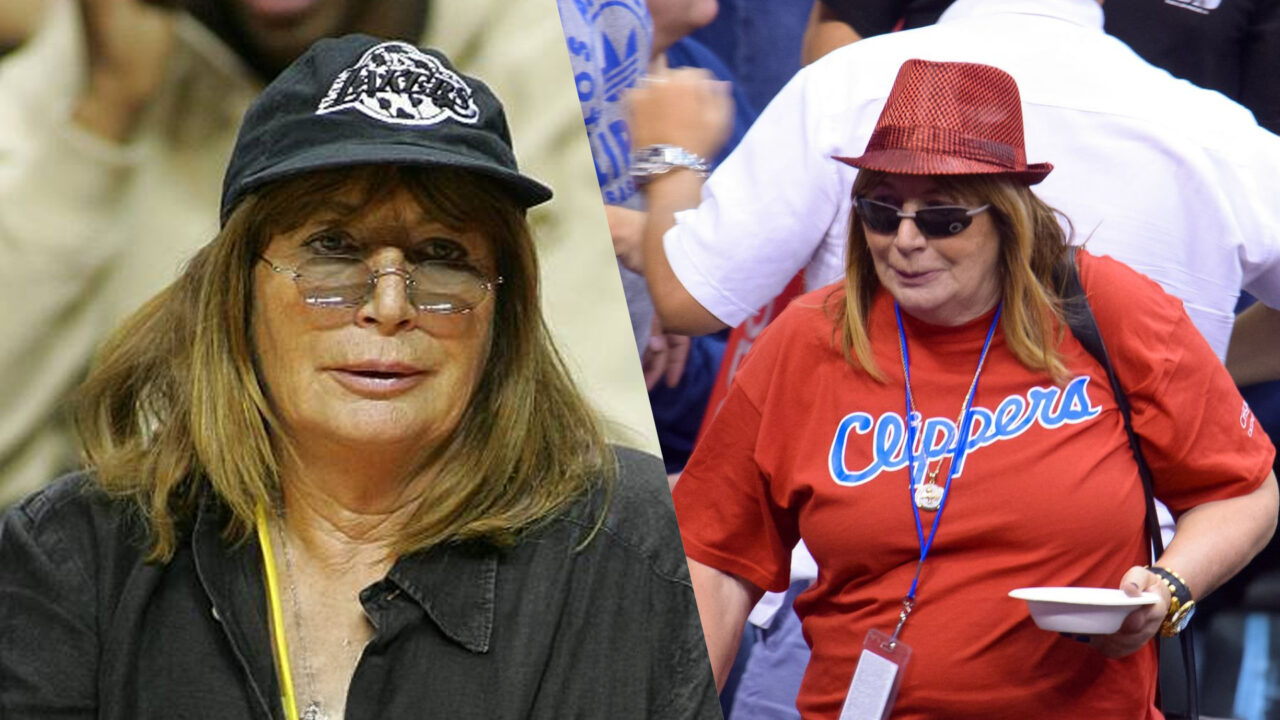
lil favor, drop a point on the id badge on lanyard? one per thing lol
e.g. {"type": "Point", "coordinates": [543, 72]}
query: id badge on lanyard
{"type": "Point", "coordinates": [875, 683]}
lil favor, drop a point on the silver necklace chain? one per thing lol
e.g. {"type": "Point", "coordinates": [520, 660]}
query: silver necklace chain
{"type": "Point", "coordinates": [315, 706]}
{"type": "Point", "coordinates": [932, 473]}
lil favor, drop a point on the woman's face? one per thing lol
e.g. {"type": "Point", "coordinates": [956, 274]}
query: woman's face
{"type": "Point", "coordinates": [940, 280]}
{"type": "Point", "coordinates": [384, 374]}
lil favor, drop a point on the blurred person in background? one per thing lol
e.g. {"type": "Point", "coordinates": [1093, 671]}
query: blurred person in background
{"type": "Point", "coordinates": [614, 47]}
{"type": "Point", "coordinates": [610, 45]}
{"type": "Point", "coordinates": [349, 404]}
{"type": "Point", "coordinates": [120, 117]}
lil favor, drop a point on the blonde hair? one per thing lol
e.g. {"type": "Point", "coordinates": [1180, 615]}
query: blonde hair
{"type": "Point", "coordinates": [175, 406]}
{"type": "Point", "coordinates": [1032, 245]}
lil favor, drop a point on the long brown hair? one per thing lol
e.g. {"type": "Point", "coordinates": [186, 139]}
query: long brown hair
{"type": "Point", "coordinates": [174, 404]}
{"type": "Point", "coordinates": [1032, 244]}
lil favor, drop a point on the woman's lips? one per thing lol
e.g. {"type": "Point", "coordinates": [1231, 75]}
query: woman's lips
{"type": "Point", "coordinates": [378, 382]}
{"type": "Point", "coordinates": [916, 278]}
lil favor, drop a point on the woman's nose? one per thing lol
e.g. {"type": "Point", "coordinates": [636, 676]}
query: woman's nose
{"type": "Point", "coordinates": [389, 305]}
{"type": "Point", "coordinates": [909, 236]}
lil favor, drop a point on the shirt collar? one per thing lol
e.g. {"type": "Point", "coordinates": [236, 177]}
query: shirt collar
{"type": "Point", "coordinates": [1086, 13]}
{"type": "Point", "coordinates": [456, 585]}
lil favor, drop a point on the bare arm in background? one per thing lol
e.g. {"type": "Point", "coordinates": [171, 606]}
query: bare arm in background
{"type": "Point", "coordinates": [825, 33]}
{"type": "Point", "coordinates": [689, 109]}
{"type": "Point", "coordinates": [724, 601]}
{"type": "Point", "coordinates": [1254, 353]}
{"type": "Point", "coordinates": [128, 42]}
{"type": "Point", "coordinates": [63, 133]}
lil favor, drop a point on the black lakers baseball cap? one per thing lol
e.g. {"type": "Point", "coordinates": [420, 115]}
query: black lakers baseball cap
{"type": "Point", "coordinates": [359, 100]}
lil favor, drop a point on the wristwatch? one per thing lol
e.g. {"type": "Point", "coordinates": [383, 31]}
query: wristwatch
{"type": "Point", "coordinates": [1181, 606]}
{"type": "Point", "coordinates": [653, 160]}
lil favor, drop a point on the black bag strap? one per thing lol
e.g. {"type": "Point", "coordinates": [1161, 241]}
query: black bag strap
{"type": "Point", "coordinates": [1079, 317]}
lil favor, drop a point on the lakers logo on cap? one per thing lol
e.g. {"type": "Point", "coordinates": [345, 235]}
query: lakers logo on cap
{"type": "Point", "coordinates": [397, 83]}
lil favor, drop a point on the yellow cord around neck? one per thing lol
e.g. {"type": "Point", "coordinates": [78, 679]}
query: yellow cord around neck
{"type": "Point", "coordinates": [277, 616]}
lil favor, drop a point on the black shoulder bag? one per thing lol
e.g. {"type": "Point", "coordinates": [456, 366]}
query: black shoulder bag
{"type": "Point", "coordinates": [1080, 319]}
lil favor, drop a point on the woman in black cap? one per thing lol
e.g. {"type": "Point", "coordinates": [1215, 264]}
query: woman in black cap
{"type": "Point", "coordinates": [338, 469]}
{"type": "Point", "coordinates": [938, 437]}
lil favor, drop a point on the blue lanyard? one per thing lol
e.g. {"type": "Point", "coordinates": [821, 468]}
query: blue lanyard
{"type": "Point", "coordinates": [961, 444]}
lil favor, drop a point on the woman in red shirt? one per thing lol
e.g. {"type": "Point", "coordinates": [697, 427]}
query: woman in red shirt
{"type": "Point", "coordinates": [843, 429]}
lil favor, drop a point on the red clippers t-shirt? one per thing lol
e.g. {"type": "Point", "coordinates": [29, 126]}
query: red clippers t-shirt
{"type": "Point", "coordinates": [1048, 493]}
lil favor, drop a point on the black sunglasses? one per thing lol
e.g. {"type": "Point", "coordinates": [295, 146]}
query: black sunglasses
{"type": "Point", "coordinates": [934, 222]}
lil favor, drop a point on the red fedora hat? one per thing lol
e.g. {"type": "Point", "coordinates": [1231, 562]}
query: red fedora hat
{"type": "Point", "coordinates": [951, 118]}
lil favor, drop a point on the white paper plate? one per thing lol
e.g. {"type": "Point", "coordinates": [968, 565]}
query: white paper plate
{"type": "Point", "coordinates": [1083, 610]}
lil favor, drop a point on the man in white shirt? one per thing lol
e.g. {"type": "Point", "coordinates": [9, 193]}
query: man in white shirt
{"type": "Point", "coordinates": [1178, 182]}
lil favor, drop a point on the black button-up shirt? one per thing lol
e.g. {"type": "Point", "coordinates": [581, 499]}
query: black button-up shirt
{"type": "Point", "coordinates": [540, 630]}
